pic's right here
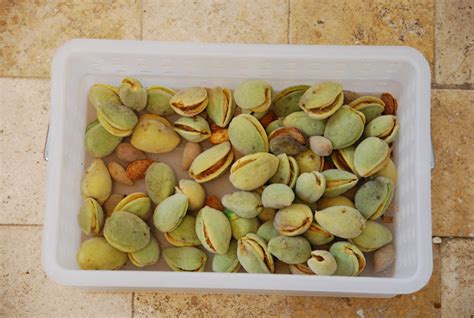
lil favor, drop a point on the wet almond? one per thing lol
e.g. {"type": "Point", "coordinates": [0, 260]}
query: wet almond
{"type": "Point", "coordinates": [137, 169]}
{"type": "Point", "coordinates": [391, 104]}
{"type": "Point", "coordinates": [110, 204]}
{"type": "Point", "coordinates": [219, 136]}
{"type": "Point", "coordinates": [268, 118]}
{"type": "Point", "coordinates": [126, 152]}
{"type": "Point", "coordinates": [214, 202]}
{"type": "Point", "coordinates": [118, 173]}
{"type": "Point", "coordinates": [190, 152]}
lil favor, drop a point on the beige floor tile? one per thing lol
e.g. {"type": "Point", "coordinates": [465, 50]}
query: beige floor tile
{"type": "Point", "coordinates": [205, 305]}
{"type": "Point", "coordinates": [457, 278]}
{"type": "Point", "coordinates": [30, 31]}
{"type": "Point", "coordinates": [23, 121]}
{"type": "Point", "coordinates": [454, 42]}
{"type": "Point", "coordinates": [424, 303]}
{"type": "Point", "coordinates": [452, 117]}
{"type": "Point", "coordinates": [380, 22]}
{"type": "Point", "coordinates": [263, 21]}
{"type": "Point", "coordinates": [26, 291]}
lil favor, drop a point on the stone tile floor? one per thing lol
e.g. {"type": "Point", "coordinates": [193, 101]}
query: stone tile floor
{"type": "Point", "coordinates": [30, 31]}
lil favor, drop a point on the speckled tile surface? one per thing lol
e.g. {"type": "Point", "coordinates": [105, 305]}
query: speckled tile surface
{"type": "Point", "coordinates": [263, 21]}
{"type": "Point", "coordinates": [207, 305]}
{"type": "Point", "coordinates": [30, 31]}
{"type": "Point", "coordinates": [457, 279]}
{"type": "Point", "coordinates": [452, 120]}
{"type": "Point", "coordinates": [23, 121]}
{"type": "Point", "coordinates": [455, 42]}
{"type": "Point", "coordinates": [380, 22]}
{"type": "Point", "coordinates": [26, 291]}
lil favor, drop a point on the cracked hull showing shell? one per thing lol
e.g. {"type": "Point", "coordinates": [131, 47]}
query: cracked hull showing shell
{"type": "Point", "coordinates": [211, 163]}
{"type": "Point", "coordinates": [253, 254]}
{"type": "Point", "coordinates": [213, 230]}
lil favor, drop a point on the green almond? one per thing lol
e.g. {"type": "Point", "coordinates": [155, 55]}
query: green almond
{"type": "Point", "coordinates": [158, 100]}
{"type": "Point", "coordinates": [185, 259]}
{"type": "Point", "coordinates": [126, 232]}
{"type": "Point", "coordinates": [170, 212]}
{"type": "Point", "coordinates": [98, 141]}
{"type": "Point", "coordinates": [342, 221]}
{"type": "Point", "coordinates": [350, 260]}
{"type": "Point", "coordinates": [371, 156]}
{"type": "Point", "coordinates": [97, 254]}
{"type": "Point", "coordinates": [307, 125]}
{"type": "Point", "coordinates": [147, 256]}
{"type": "Point", "coordinates": [213, 230]}
{"type": "Point", "coordinates": [291, 250]}
{"type": "Point", "coordinates": [247, 135]}
{"type": "Point", "coordinates": [253, 255]}
{"type": "Point", "coordinates": [345, 127]}
{"type": "Point", "coordinates": [245, 204]}
{"type": "Point", "coordinates": [160, 181]}
{"type": "Point", "coordinates": [374, 236]}
{"type": "Point", "coordinates": [228, 262]}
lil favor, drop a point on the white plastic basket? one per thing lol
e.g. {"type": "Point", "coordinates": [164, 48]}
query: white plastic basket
{"type": "Point", "coordinates": [402, 71]}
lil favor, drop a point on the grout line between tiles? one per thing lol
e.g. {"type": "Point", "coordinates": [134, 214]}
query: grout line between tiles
{"type": "Point", "coordinates": [133, 304]}
{"type": "Point", "coordinates": [288, 35]}
{"type": "Point", "coordinates": [462, 87]}
{"type": "Point", "coordinates": [440, 268]}
{"type": "Point", "coordinates": [453, 237]}
{"type": "Point", "coordinates": [19, 225]}
{"type": "Point", "coordinates": [24, 77]}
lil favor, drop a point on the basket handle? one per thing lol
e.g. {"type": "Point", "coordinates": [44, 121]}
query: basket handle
{"type": "Point", "coordinates": [45, 148]}
{"type": "Point", "coordinates": [433, 159]}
